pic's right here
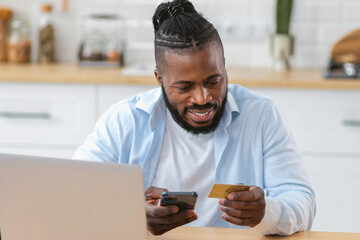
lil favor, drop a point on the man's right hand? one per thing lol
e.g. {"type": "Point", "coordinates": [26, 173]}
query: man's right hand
{"type": "Point", "coordinates": [161, 219]}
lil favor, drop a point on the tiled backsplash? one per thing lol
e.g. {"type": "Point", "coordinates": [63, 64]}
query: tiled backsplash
{"type": "Point", "coordinates": [244, 25]}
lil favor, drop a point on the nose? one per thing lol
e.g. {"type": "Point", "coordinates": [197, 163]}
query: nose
{"type": "Point", "coordinates": [201, 96]}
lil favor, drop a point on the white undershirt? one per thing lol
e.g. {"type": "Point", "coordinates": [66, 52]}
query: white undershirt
{"type": "Point", "coordinates": [187, 163]}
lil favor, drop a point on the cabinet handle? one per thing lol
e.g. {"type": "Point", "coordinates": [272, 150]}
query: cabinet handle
{"type": "Point", "coordinates": [351, 123]}
{"type": "Point", "coordinates": [27, 115]}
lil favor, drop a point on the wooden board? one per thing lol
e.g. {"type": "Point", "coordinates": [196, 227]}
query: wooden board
{"type": "Point", "coordinates": [347, 49]}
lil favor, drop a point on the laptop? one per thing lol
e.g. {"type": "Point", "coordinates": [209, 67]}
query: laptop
{"type": "Point", "coordinates": [56, 199]}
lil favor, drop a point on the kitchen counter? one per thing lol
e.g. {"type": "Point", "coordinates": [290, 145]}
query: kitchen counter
{"type": "Point", "coordinates": [247, 77]}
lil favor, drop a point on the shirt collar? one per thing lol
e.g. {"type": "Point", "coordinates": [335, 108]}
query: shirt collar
{"type": "Point", "coordinates": [231, 110]}
{"type": "Point", "coordinates": [153, 104]}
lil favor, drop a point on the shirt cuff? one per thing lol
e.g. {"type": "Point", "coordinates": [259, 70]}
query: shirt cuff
{"type": "Point", "coordinates": [271, 218]}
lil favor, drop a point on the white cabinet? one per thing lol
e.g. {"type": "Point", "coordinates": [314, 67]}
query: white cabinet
{"type": "Point", "coordinates": [111, 94]}
{"type": "Point", "coordinates": [326, 121]}
{"type": "Point", "coordinates": [336, 183]}
{"type": "Point", "coordinates": [326, 126]}
{"type": "Point", "coordinates": [45, 116]}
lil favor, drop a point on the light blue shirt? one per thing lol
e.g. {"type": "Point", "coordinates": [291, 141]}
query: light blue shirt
{"type": "Point", "coordinates": [253, 145]}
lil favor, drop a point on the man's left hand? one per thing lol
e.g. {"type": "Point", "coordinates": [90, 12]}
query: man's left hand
{"type": "Point", "coordinates": [245, 208]}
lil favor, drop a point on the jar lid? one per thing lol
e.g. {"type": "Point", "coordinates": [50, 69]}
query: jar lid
{"type": "Point", "coordinates": [46, 7]}
{"type": "Point", "coordinates": [5, 13]}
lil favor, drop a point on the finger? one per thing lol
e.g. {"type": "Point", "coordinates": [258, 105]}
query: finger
{"type": "Point", "coordinates": [251, 222]}
{"type": "Point", "coordinates": [154, 192]}
{"type": "Point", "coordinates": [180, 223]}
{"type": "Point", "coordinates": [242, 213]}
{"type": "Point", "coordinates": [253, 194]}
{"type": "Point", "coordinates": [173, 218]}
{"type": "Point", "coordinates": [259, 204]}
{"type": "Point", "coordinates": [160, 211]}
{"type": "Point", "coordinates": [163, 228]}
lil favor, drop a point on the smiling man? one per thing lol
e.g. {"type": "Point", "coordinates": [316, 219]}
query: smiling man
{"type": "Point", "coordinates": [196, 130]}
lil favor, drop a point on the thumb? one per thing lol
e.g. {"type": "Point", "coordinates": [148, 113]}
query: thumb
{"type": "Point", "coordinates": [154, 192]}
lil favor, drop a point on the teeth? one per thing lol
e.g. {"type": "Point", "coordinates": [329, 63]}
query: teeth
{"type": "Point", "coordinates": [201, 114]}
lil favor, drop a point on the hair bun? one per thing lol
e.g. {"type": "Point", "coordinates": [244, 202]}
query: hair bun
{"type": "Point", "coordinates": [170, 9]}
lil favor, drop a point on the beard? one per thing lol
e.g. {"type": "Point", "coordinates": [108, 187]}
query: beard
{"type": "Point", "coordinates": [189, 128]}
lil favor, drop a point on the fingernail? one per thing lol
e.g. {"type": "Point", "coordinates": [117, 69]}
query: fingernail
{"type": "Point", "coordinates": [175, 209]}
{"type": "Point", "coordinates": [222, 201]}
{"type": "Point", "coordinates": [191, 213]}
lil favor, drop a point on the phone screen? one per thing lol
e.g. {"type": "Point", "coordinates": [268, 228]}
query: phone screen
{"type": "Point", "coordinates": [184, 200]}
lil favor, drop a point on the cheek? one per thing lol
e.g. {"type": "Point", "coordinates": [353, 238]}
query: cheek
{"type": "Point", "coordinates": [178, 101]}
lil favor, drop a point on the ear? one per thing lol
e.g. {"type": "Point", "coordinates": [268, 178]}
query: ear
{"type": "Point", "coordinates": [158, 76]}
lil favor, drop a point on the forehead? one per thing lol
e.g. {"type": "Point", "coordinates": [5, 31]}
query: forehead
{"type": "Point", "coordinates": [194, 63]}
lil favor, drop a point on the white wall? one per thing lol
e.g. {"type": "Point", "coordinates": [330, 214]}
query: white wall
{"type": "Point", "coordinates": [244, 25]}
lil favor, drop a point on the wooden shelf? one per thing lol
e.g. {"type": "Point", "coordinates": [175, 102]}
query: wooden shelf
{"type": "Point", "coordinates": [247, 77]}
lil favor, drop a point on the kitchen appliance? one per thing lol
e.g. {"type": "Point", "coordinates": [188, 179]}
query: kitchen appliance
{"type": "Point", "coordinates": [102, 41]}
{"type": "Point", "coordinates": [345, 57]}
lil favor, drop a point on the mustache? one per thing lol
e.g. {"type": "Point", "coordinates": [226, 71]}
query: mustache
{"type": "Point", "coordinates": [200, 107]}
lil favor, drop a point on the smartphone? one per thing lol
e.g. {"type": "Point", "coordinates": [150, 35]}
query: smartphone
{"type": "Point", "coordinates": [184, 200]}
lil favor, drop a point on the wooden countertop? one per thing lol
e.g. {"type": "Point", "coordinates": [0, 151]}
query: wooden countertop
{"type": "Point", "coordinates": [197, 233]}
{"type": "Point", "coordinates": [247, 77]}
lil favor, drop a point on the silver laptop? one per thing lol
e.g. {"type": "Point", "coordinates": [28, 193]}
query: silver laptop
{"type": "Point", "coordinates": [56, 199]}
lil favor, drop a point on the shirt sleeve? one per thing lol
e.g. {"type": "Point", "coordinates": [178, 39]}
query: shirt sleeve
{"type": "Point", "coordinates": [290, 197]}
{"type": "Point", "coordinates": [271, 218]}
{"type": "Point", "coordinates": [102, 144]}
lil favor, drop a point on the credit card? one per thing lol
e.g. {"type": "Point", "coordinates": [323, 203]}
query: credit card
{"type": "Point", "coordinates": [222, 190]}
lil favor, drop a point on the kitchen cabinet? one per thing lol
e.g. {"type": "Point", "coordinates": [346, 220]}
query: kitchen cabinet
{"type": "Point", "coordinates": [45, 119]}
{"type": "Point", "coordinates": [111, 94]}
{"type": "Point", "coordinates": [323, 121]}
{"type": "Point", "coordinates": [335, 179]}
{"type": "Point", "coordinates": [326, 127]}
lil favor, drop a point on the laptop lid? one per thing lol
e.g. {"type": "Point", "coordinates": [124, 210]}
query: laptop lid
{"type": "Point", "coordinates": [57, 199]}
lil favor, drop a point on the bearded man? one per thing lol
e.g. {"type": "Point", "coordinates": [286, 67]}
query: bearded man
{"type": "Point", "coordinates": [196, 130]}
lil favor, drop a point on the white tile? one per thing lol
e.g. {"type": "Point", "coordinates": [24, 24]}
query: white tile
{"type": "Point", "coordinates": [352, 12]}
{"type": "Point", "coordinates": [137, 11]}
{"type": "Point", "coordinates": [260, 54]}
{"type": "Point", "coordinates": [332, 33]}
{"type": "Point", "coordinates": [136, 54]}
{"type": "Point", "coordinates": [304, 33]}
{"type": "Point", "coordinates": [225, 11]}
{"type": "Point", "coordinates": [237, 54]}
{"type": "Point", "coordinates": [304, 11]}
{"type": "Point", "coordinates": [140, 33]}
{"type": "Point", "coordinates": [329, 12]}
{"type": "Point", "coordinates": [310, 56]}
{"type": "Point", "coordinates": [263, 10]}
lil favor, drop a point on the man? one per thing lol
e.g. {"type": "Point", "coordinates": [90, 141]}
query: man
{"type": "Point", "coordinates": [197, 130]}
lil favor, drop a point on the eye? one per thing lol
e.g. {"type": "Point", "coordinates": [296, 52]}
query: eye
{"type": "Point", "coordinates": [214, 82]}
{"type": "Point", "coordinates": [183, 88]}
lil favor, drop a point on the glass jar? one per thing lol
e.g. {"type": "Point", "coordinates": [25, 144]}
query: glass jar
{"type": "Point", "coordinates": [5, 15]}
{"type": "Point", "coordinates": [102, 42]}
{"type": "Point", "coordinates": [19, 43]}
{"type": "Point", "coordinates": [46, 44]}
{"type": "Point", "coordinates": [93, 47]}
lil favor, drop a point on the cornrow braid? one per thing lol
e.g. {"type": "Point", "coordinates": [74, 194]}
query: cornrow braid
{"type": "Point", "coordinates": [180, 28]}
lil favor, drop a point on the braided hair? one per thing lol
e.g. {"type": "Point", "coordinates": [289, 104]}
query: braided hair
{"type": "Point", "coordinates": [179, 28]}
